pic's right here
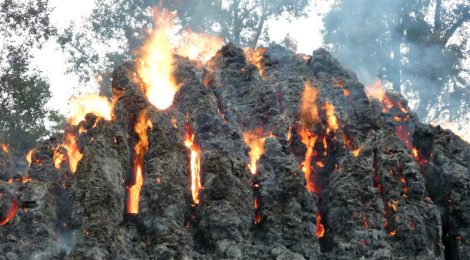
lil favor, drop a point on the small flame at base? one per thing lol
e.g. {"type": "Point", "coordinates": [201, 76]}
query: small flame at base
{"type": "Point", "coordinates": [195, 163]}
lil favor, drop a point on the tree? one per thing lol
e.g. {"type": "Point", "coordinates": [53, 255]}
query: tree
{"type": "Point", "coordinates": [24, 93]}
{"type": "Point", "coordinates": [397, 42]}
{"type": "Point", "coordinates": [116, 28]}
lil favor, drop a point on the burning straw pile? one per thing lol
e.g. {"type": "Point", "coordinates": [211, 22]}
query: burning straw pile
{"type": "Point", "coordinates": [238, 154]}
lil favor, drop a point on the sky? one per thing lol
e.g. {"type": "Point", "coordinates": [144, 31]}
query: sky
{"type": "Point", "coordinates": [53, 62]}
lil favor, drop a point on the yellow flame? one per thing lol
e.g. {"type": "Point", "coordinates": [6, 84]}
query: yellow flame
{"type": "Point", "coordinates": [197, 46]}
{"type": "Point", "coordinates": [255, 140]}
{"type": "Point", "coordinates": [189, 142]}
{"type": "Point", "coordinates": [331, 117]}
{"type": "Point", "coordinates": [5, 147]}
{"type": "Point", "coordinates": [81, 106]}
{"type": "Point", "coordinates": [156, 64]}
{"type": "Point", "coordinates": [308, 104]}
{"type": "Point", "coordinates": [140, 128]}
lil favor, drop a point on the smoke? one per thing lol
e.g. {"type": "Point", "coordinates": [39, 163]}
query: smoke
{"type": "Point", "coordinates": [397, 41]}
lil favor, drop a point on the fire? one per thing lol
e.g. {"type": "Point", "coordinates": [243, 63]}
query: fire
{"type": "Point", "coordinates": [11, 213]}
{"type": "Point", "coordinates": [195, 163]}
{"type": "Point", "coordinates": [156, 64]}
{"type": "Point", "coordinates": [320, 228]}
{"type": "Point", "coordinates": [97, 105]}
{"type": "Point", "coordinates": [405, 186]}
{"type": "Point", "coordinates": [29, 156]}
{"type": "Point", "coordinates": [404, 134]}
{"type": "Point", "coordinates": [331, 117]}
{"type": "Point", "coordinates": [375, 90]}
{"type": "Point", "coordinates": [255, 140]}
{"type": "Point", "coordinates": [392, 233]}
{"type": "Point", "coordinates": [73, 152]}
{"type": "Point", "coordinates": [357, 151]}
{"type": "Point", "coordinates": [5, 147]}
{"type": "Point", "coordinates": [309, 139]}
{"type": "Point", "coordinates": [346, 92]}
{"type": "Point", "coordinates": [58, 157]}
{"type": "Point", "coordinates": [140, 148]}
{"type": "Point", "coordinates": [308, 104]}
{"type": "Point", "coordinates": [255, 56]}
{"type": "Point", "coordinates": [197, 46]}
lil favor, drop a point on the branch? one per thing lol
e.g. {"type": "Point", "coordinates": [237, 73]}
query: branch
{"type": "Point", "coordinates": [465, 17]}
{"type": "Point", "coordinates": [437, 16]}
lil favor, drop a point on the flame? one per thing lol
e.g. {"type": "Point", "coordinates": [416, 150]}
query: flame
{"type": "Point", "coordinates": [11, 213]}
{"type": "Point", "coordinates": [97, 105]}
{"type": "Point", "coordinates": [405, 186]}
{"type": "Point", "coordinates": [357, 151]}
{"type": "Point", "coordinates": [320, 228]}
{"type": "Point", "coordinates": [393, 204]}
{"type": "Point", "coordinates": [392, 233]}
{"type": "Point", "coordinates": [197, 46]}
{"type": "Point", "coordinates": [29, 156]}
{"type": "Point", "coordinates": [73, 152]}
{"type": "Point", "coordinates": [140, 148]}
{"type": "Point", "coordinates": [365, 221]}
{"type": "Point", "coordinates": [346, 92]}
{"type": "Point", "coordinates": [308, 104]}
{"type": "Point", "coordinates": [255, 140]}
{"type": "Point", "coordinates": [156, 64]}
{"type": "Point", "coordinates": [5, 147]}
{"type": "Point", "coordinates": [331, 117]}
{"type": "Point", "coordinates": [58, 157]}
{"type": "Point", "coordinates": [255, 57]}
{"type": "Point", "coordinates": [195, 163]}
{"type": "Point", "coordinates": [375, 90]}
{"type": "Point", "coordinates": [309, 139]}
{"type": "Point", "coordinates": [404, 134]}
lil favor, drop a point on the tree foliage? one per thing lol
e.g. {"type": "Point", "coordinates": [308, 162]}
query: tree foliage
{"type": "Point", "coordinates": [419, 46]}
{"type": "Point", "coordinates": [24, 93]}
{"type": "Point", "coordinates": [116, 28]}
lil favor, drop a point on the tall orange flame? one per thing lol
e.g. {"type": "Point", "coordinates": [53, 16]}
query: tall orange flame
{"type": "Point", "coordinates": [11, 213]}
{"type": "Point", "coordinates": [156, 64]}
{"type": "Point", "coordinates": [255, 140]}
{"type": "Point", "coordinates": [80, 106]}
{"type": "Point", "coordinates": [308, 104]}
{"type": "Point", "coordinates": [140, 148]}
{"type": "Point", "coordinates": [29, 156]}
{"type": "Point", "coordinates": [331, 117]}
{"type": "Point", "coordinates": [73, 152]}
{"type": "Point", "coordinates": [195, 163]}
{"type": "Point", "coordinates": [309, 139]}
{"type": "Point", "coordinates": [58, 157]}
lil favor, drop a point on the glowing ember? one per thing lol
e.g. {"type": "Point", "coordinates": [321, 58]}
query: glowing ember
{"type": "Point", "coordinates": [94, 104]}
{"type": "Point", "coordinates": [255, 56]}
{"type": "Point", "coordinates": [5, 147]}
{"type": "Point", "coordinates": [198, 47]}
{"type": "Point", "coordinates": [11, 213]}
{"type": "Point", "coordinates": [195, 163]}
{"type": "Point", "coordinates": [392, 233]}
{"type": "Point", "coordinates": [29, 156]}
{"type": "Point", "coordinates": [58, 157]}
{"type": "Point", "coordinates": [393, 204]}
{"type": "Point", "coordinates": [255, 140]}
{"type": "Point", "coordinates": [140, 148]}
{"type": "Point", "coordinates": [309, 139]}
{"type": "Point", "coordinates": [331, 117]}
{"type": "Point", "coordinates": [308, 104]}
{"type": "Point", "coordinates": [156, 64]}
{"type": "Point", "coordinates": [73, 153]}
{"type": "Point", "coordinates": [404, 134]}
{"type": "Point", "coordinates": [346, 92]}
{"type": "Point", "coordinates": [320, 228]}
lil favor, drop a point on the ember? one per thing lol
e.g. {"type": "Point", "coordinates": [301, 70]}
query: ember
{"type": "Point", "coordinates": [11, 213]}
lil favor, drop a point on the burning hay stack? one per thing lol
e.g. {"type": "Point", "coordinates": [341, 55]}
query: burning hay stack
{"type": "Point", "coordinates": [252, 154]}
